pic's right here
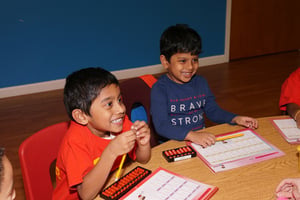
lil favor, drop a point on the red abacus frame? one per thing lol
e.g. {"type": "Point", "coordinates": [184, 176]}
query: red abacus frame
{"type": "Point", "coordinates": [125, 183]}
{"type": "Point", "coordinates": [180, 153]}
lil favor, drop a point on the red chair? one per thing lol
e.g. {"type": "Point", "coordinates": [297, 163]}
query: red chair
{"type": "Point", "coordinates": [136, 91]}
{"type": "Point", "coordinates": [36, 154]}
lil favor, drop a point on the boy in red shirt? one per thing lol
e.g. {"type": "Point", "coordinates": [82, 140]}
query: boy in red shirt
{"type": "Point", "coordinates": [99, 134]}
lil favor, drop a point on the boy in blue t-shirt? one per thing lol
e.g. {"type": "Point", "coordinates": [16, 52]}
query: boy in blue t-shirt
{"type": "Point", "coordinates": [180, 98]}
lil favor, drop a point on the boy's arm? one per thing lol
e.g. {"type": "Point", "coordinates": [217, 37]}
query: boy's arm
{"type": "Point", "coordinates": [245, 121]}
{"type": "Point", "coordinates": [95, 179]}
{"type": "Point", "coordinates": [143, 153]}
{"type": "Point", "coordinates": [201, 137]}
{"type": "Point", "coordinates": [293, 110]}
{"type": "Point", "coordinates": [143, 150]}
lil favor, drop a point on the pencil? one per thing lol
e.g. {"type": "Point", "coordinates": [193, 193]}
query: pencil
{"type": "Point", "coordinates": [298, 149]}
{"type": "Point", "coordinates": [229, 137]}
{"type": "Point", "coordinates": [120, 167]}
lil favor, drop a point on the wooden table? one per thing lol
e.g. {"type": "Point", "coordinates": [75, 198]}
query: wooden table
{"type": "Point", "coordinates": [256, 181]}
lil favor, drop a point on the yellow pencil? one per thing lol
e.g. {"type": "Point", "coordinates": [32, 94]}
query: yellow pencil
{"type": "Point", "coordinates": [298, 149]}
{"type": "Point", "coordinates": [229, 136]}
{"type": "Point", "coordinates": [120, 167]}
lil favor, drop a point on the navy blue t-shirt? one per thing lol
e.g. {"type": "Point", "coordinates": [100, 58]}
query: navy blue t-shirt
{"type": "Point", "coordinates": [177, 109]}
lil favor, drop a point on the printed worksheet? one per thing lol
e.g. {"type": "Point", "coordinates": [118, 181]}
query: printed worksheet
{"type": "Point", "coordinates": [164, 184]}
{"type": "Point", "coordinates": [247, 148]}
{"type": "Point", "coordinates": [287, 127]}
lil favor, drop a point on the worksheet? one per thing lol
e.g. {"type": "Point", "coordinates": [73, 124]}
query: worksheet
{"type": "Point", "coordinates": [242, 148]}
{"type": "Point", "coordinates": [287, 127]}
{"type": "Point", "coordinates": [163, 185]}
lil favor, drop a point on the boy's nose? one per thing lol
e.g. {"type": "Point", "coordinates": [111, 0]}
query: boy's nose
{"type": "Point", "coordinates": [190, 65]}
{"type": "Point", "coordinates": [120, 108]}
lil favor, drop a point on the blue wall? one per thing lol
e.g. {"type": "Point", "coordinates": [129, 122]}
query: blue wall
{"type": "Point", "coordinates": [47, 40]}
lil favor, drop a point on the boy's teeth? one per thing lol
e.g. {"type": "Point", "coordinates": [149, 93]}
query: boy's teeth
{"type": "Point", "coordinates": [117, 120]}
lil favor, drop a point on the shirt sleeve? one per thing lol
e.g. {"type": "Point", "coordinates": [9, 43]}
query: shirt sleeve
{"type": "Point", "coordinates": [290, 90]}
{"type": "Point", "coordinates": [75, 171]}
{"type": "Point", "coordinates": [159, 112]}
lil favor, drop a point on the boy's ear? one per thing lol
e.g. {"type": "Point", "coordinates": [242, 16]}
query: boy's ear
{"type": "Point", "coordinates": [164, 61]}
{"type": "Point", "coordinates": [80, 117]}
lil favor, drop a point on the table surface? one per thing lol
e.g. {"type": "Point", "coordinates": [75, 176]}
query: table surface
{"type": "Point", "coordinates": [255, 181]}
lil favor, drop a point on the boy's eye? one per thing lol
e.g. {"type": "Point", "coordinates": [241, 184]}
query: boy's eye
{"type": "Point", "coordinates": [109, 104]}
{"type": "Point", "coordinates": [120, 99]}
{"type": "Point", "coordinates": [195, 60]}
{"type": "Point", "coordinates": [182, 61]}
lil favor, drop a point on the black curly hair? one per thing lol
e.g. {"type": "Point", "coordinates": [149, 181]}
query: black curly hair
{"type": "Point", "coordinates": [83, 86]}
{"type": "Point", "coordinates": [179, 38]}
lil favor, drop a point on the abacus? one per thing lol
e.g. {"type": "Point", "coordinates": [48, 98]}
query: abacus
{"type": "Point", "coordinates": [180, 153]}
{"type": "Point", "coordinates": [125, 183]}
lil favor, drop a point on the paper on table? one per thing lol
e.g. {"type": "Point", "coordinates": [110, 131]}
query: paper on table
{"type": "Point", "coordinates": [164, 184]}
{"type": "Point", "coordinates": [236, 152]}
{"type": "Point", "coordinates": [287, 127]}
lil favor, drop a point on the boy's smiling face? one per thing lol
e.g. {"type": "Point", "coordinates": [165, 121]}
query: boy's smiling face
{"type": "Point", "coordinates": [107, 112]}
{"type": "Point", "coordinates": [182, 66]}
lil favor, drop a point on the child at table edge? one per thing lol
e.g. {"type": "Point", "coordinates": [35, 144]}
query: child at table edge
{"type": "Point", "coordinates": [180, 98]}
{"type": "Point", "coordinates": [99, 134]}
{"type": "Point", "coordinates": [290, 96]}
{"type": "Point", "coordinates": [7, 190]}
{"type": "Point", "coordinates": [289, 188]}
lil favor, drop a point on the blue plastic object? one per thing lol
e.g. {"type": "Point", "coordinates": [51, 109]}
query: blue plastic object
{"type": "Point", "coordinates": [139, 113]}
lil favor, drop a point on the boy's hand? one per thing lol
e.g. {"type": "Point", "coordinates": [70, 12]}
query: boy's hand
{"type": "Point", "coordinates": [142, 132]}
{"type": "Point", "coordinates": [201, 137]}
{"type": "Point", "coordinates": [248, 122]}
{"type": "Point", "coordinates": [289, 188]}
{"type": "Point", "coordinates": [123, 143]}
{"type": "Point", "coordinates": [298, 121]}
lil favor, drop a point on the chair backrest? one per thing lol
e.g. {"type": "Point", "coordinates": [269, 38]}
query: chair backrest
{"type": "Point", "coordinates": [137, 91]}
{"type": "Point", "coordinates": [36, 154]}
